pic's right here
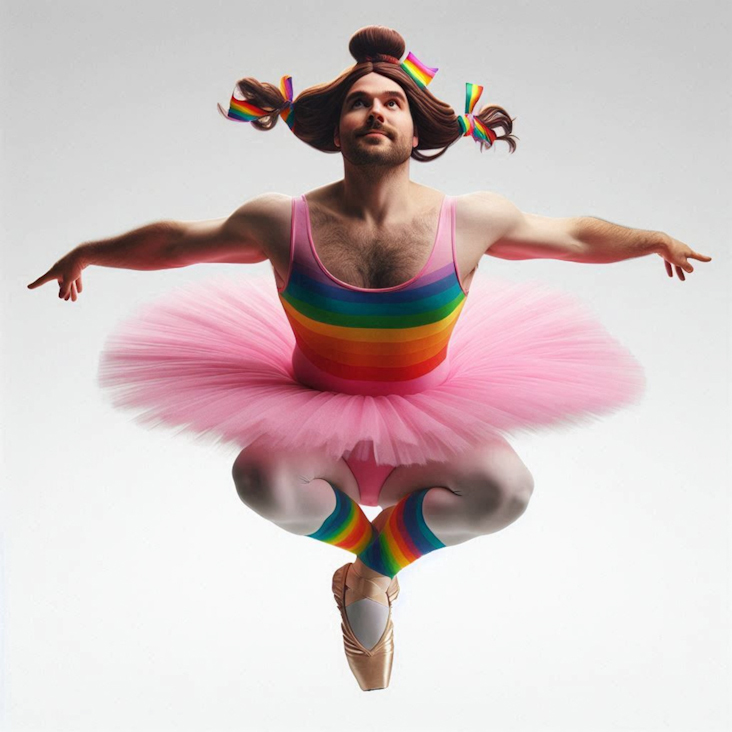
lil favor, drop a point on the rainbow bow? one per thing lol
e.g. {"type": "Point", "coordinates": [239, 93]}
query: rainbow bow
{"type": "Point", "coordinates": [287, 113]}
{"type": "Point", "coordinates": [421, 74]}
{"type": "Point", "coordinates": [469, 123]}
{"type": "Point", "coordinates": [240, 110]}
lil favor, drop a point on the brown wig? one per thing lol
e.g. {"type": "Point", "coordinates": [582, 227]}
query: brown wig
{"type": "Point", "coordinates": [317, 110]}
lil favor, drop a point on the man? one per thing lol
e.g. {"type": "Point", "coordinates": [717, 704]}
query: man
{"type": "Point", "coordinates": [374, 230]}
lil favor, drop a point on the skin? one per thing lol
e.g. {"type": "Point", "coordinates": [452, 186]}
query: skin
{"type": "Point", "coordinates": [375, 195]}
{"type": "Point", "coordinates": [489, 487]}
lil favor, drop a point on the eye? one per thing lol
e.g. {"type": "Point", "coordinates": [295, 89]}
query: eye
{"type": "Point", "coordinates": [358, 101]}
{"type": "Point", "coordinates": [393, 101]}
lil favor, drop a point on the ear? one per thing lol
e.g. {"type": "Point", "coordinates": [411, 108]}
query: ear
{"type": "Point", "coordinates": [336, 138]}
{"type": "Point", "coordinates": [415, 138]}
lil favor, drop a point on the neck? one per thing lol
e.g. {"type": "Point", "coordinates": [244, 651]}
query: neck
{"type": "Point", "coordinates": [376, 193]}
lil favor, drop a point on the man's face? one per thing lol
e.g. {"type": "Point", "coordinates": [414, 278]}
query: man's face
{"type": "Point", "coordinates": [376, 125]}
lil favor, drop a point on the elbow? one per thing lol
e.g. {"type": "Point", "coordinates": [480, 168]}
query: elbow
{"type": "Point", "coordinates": [577, 244]}
{"type": "Point", "coordinates": [576, 251]}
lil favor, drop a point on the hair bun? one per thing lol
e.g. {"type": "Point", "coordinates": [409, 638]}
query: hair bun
{"type": "Point", "coordinates": [376, 40]}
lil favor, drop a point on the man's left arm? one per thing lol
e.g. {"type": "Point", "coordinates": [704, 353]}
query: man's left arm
{"type": "Point", "coordinates": [585, 239]}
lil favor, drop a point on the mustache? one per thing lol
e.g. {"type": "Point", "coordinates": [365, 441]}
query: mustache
{"type": "Point", "coordinates": [375, 128]}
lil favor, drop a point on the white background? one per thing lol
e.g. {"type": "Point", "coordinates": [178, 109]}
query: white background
{"type": "Point", "coordinates": [138, 593]}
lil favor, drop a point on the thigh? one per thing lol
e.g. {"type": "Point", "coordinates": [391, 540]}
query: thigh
{"type": "Point", "coordinates": [493, 469]}
{"type": "Point", "coordinates": [291, 470]}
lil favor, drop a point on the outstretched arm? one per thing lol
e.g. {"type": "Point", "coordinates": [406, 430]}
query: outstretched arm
{"type": "Point", "coordinates": [519, 235]}
{"type": "Point", "coordinates": [241, 238]}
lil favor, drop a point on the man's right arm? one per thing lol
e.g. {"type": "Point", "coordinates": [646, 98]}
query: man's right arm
{"type": "Point", "coordinates": [242, 238]}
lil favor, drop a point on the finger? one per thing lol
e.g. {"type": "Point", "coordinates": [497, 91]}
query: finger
{"type": "Point", "coordinates": [680, 273]}
{"type": "Point", "coordinates": [668, 268]}
{"type": "Point", "coordinates": [74, 294]}
{"type": "Point", "coordinates": [78, 284]}
{"type": "Point", "coordinates": [41, 280]}
{"type": "Point", "coordinates": [700, 257]}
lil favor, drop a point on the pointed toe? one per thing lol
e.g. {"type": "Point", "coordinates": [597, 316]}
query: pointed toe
{"type": "Point", "coordinates": [371, 666]}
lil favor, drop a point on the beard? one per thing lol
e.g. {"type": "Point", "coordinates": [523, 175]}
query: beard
{"type": "Point", "coordinates": [386, 153]}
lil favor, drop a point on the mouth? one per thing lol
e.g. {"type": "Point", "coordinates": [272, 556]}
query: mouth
{"type": "Point", "coordinates": [374, 132]}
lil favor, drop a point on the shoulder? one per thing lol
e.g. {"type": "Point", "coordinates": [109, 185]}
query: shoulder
{"type": "Point", "coordinates": [266, 218]}
{"type": "Point", "coordinates": [484, 208]}
{"type": "Point", "coordinates": [483, 217]}
{"type": "Point", "coordinates": [268, 208]}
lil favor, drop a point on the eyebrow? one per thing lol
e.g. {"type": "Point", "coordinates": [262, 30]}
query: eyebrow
{"type": "Point", "coordinates": [392, 93]}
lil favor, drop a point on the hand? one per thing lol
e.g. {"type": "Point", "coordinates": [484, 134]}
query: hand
{"type": "Point", "coordinates": [67, 271]}
{"type": "Point", "coordinates": [677, 254]}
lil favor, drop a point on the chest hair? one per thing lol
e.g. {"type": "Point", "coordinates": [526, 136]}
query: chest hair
{"type": "Point", "coordinates": [373, 260]}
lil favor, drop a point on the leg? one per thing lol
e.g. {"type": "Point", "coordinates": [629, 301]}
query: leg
{"type": "Point", "coordinates": [484, 491]}
{"type": "Point", "coordinates": [297, 492]}
{"type": "Point", "coordinates": [443, 504]}
{"type": "Point", "coordinates": [305, 494]}
{"type": "Point", "coordinates": [430, 506]}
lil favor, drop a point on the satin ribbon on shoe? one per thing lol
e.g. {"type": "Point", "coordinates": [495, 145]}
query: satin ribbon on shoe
{"type": "Point", "coordinates": [242, 110]}
{"type": "Point", "coordinates": [469, 122]}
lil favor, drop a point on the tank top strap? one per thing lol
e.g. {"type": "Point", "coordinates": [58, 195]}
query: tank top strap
{"type": "Point", "coordinates": [300, 238]}
{"type": "Point", "coordinates": [302, 259]}
{"type": "Point", "coordinates": [442, 259]}
{"type": "Point", "coordinates": [444, 245]}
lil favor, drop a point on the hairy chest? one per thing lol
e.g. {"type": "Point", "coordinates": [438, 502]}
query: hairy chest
{"type": "Point", "coordinates": [369, 258]}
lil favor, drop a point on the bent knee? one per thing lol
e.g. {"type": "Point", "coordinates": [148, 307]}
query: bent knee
{"type": "Point", "coordinates": [522, 489]}
{"type": "Point", "coordinates": [251, 479]}
{"type": "Point", "coordinates": [502, 497]}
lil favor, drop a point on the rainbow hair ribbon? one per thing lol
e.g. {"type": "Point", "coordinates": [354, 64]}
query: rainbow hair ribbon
{"type": "Point", "coordinates": [469, 122]}
{"type": "Point", "coordinates": [240, 110]}
{"type": "Point", "coordinates": [287, 113]}
{"type": "Point", "coordinates": [421, 74]}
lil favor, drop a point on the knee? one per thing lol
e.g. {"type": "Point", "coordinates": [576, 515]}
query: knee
{"type": "Point", "coordinates": [251, 479]}
{"type": "Point", "coordinates": [501, 499]}
{"type": "Point", "coordinates": [519, 491]}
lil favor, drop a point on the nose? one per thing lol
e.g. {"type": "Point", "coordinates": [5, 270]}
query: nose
{"type": "Point", "coordinates": [377, 111]}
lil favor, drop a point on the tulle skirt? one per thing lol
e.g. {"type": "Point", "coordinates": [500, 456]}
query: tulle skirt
{"type": "Point", "coordinates": [214, 359]}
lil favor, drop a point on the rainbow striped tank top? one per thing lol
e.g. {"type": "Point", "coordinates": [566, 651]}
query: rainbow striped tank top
{"type": "Point", "coordinates": [357, 340]}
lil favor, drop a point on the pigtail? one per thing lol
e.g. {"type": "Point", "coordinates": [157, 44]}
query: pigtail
{"type": "Point", "coordinates": [267, 97]}
{"type": "Point", "coordinates": [493, 117]}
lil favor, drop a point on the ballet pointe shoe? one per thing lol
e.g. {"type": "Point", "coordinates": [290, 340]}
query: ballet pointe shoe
{"type": "Point", "coordinates": [370, 666]}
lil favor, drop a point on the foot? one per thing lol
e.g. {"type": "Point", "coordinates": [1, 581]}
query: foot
{"type": "Point", "coordinates": [371, 666]}
{"type": "Point", "coordinates": [367, 616]}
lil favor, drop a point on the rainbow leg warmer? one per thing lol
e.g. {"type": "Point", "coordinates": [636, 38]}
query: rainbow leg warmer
{"type": "Point", "coordinates": [404, 538]}
{"type": "Point", "coordinates": [347, 527]}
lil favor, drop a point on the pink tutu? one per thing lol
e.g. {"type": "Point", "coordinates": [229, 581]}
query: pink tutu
{"type": "Point", "coordinates": [214, 359]}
